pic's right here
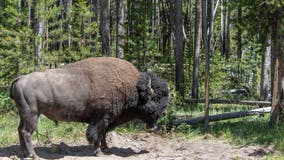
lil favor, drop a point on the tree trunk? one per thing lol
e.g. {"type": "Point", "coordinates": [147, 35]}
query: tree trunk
{"type": "Point", "coordinates": [277, 52]}
{"type": "Point", "coordinates": [227, 29]}
{"type": "Point", "coordinates": [222, 23]}
{"type": "Point", "coordinates": [22, 47]}
{"type": "Point", "coordinates": [67, 25]}
{"type": "Point", "coordinates": [105, 27]}
{"type": "Point", "coordinates": [207, 63]}
{"type": "Point", "coordinates": [265, 79]}
{"type": "Point", "coordinates": [211, 28]}
{"type": "Point", "coordinates": [166, 28]}
{"type": "Point", "coordinates": [224, 116]}
{"type": "Point", "coordinates": [112, 20]}
{"type": "Point", "coordinates": [197, 47]}
{"type": "Point", "coordinates": [157, 18]}
{"type": "Point", "coordinates": [190, 28]}
{"type": "Point", "coordinates": [119, 29]}
{"type": "Point", "coordinates": [190, 41]}
{"type": "Point", "coordinates": [60, 51]}
{"type": "Point", "coordinates": [37, 29]}
{"type": "Point", "coordinates": [29, 12]}
{"type": "Point", "coordinates": [179, 46]}
{"type": "Point", "coordinates": [19, 6]}
{"type": "Point", "coordinates": [94, 19]}
{"type": "Point", "coordinates": [239, 34]}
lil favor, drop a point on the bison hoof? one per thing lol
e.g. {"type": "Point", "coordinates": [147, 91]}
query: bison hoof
{"type": "Point", "coordinates": [32, 157]}
{"type": "Point", "coordinates": [97, 152]}
{"type": "Point", "coordinates": [105, 150]}
{"type": "Point", "coordinates": [102, 151]}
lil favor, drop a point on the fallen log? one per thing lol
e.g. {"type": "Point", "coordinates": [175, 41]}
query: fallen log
{"type": "Point", "coordinates": [224, 116]}
{"type": "Point", "coordinates": [221, 101]}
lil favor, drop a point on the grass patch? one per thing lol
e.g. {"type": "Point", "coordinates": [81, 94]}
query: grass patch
{"type": "Point", "coordinates": [47, 130]}
{"type": "Point", "coordinates": [241, 131]}
{"type": "Point", "coordinates": [252, 130]}
{"type": "Point", "coordinates": [130, 127]}
{"type": "Point", "coordinates": [9, 128]}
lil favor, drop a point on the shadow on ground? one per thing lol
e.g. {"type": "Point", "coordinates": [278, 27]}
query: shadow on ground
{"type": "Point", "coordinates": [57, 151]}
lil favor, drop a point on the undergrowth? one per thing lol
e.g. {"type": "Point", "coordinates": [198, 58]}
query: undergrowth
{"type": "Point", "coordinates": [252, 130]}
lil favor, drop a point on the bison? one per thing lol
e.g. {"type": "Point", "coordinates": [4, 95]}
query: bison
{"type": "Point", "coordinates": [103, 92]}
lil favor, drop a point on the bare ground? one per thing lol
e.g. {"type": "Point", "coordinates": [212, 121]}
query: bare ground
{"type": "Point", "coordinates": [145, 146]}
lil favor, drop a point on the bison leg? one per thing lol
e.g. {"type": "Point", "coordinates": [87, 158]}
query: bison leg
{"type": "Point", "coordinates": [104, 146]}
{"type": "Point", "coordinates": [27, 126]}
{"type": "Point", "coordinates": [96, 134]}
{"type": "Point", "coordinates": [93, 136]}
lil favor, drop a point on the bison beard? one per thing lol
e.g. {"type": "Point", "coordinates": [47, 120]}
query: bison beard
{"type": "Point", "coordinates": [104, 92]}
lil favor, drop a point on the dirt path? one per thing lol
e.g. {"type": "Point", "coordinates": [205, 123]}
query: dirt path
{"type": "Point", "coordinates": [145, 146]}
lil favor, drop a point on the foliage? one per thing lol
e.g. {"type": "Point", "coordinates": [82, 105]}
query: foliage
{"type": "Point", "coordinates": [71, 34]}
{"type": "Point", "coordinates": [6, 104]}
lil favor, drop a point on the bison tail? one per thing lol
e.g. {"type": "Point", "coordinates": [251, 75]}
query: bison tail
{"type": "Point", "coordinates": [13, 85]}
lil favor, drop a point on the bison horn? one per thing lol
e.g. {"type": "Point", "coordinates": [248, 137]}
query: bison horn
{"type": "Point", "coordinates": [151, 91]}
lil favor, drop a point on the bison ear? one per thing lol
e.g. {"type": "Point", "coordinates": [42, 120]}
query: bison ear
{"type": "Point", "coordinates": [144, 88]}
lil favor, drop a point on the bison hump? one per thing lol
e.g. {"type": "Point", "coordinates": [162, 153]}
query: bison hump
{"type": "Point", "coordinates": [112, 80]}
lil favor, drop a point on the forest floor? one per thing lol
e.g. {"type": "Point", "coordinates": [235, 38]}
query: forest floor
{"type": "Point", "coordinates": [145, 146]}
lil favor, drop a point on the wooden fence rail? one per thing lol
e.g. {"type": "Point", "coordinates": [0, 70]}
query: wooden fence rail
{"type": "Point", "coordinates": [224, 116]}
{"type": "Point", "coordinates": [220, 101]}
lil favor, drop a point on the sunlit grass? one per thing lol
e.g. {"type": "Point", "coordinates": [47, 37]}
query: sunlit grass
{"type": "Point", "coordinates": [252, 130]}
{"type": "Point", "coordinates": [46, 130]}
{"type": "Point", "coordinates": [8, 128]}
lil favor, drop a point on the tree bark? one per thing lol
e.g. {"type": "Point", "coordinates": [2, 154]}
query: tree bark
{"type": "Point", "coordinates": [211, 28]}
{"type": "Point", "coordinates": [223, 116]}
{"type": "Point", "coordinates": [265, 79]}
{"type": "Point", "coordinates": [239, 34]}
{"type": "Point", "coordinates": [179, 46]}
{"type": "Point", "coordinates": [157, 18]}
{"type": "Point", "coordinates": [94, 19]}
{"type": "Point", "coordinates": [190, 28]}
{"type": "Point", "coordinates": [60, 51]}
{"type": "Point", "coordinates": [119, 29]}
{"type": "Point", "coordinates": [166, 28]}
{"type": "Point", "coordinates": [207, 63]}
{"type": "Point", "coordinates": [197, 46]}
{"type": "Point", "coordinates": [222, 23]}
{"type": "Point", "coordinates": [29, 12]}
{"type": "Point", "coordinates": [105, 27]}
{"type": "Point", "coordinates": [277, 51]}
{"type": "Point", "coordinates": [37, 25]}
{"type": "Point", "coordinates": [67, 25]}
{"type": "Point", "coordinates": [222, 101]}
{"type": "Point", "coordinates": [227, 29]}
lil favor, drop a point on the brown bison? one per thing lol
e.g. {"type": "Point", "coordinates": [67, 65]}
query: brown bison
{"type": "Point", "coordinates": [103, 92]}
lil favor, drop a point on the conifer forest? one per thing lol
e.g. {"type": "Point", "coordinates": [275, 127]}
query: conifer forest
{"type": "Point", "coordinates": [217, 56]}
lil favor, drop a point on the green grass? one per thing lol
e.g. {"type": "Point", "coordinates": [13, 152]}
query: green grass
{"type": "Point", "coordinates": [252, 130]}
{"type": "Point", "coordinates": [46, 130]}
{"type": "Point", "coordinates": [8, 128]}
{"type": "Point", "coordinates": [242, 131]}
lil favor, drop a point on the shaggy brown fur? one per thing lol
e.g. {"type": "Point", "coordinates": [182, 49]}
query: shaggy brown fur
{"type": "Point", "coordinates": [104, 92]}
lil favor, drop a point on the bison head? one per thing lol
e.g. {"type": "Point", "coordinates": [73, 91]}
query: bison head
{"type": "Point", "coordinates": [153, 98]}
